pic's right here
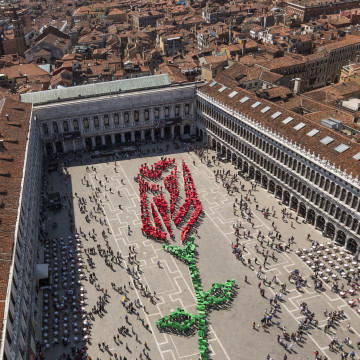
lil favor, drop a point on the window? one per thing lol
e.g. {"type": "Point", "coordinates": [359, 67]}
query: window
{"type": "Point", "coordinates": [126, 117]}
{"type": "Point", "coordinates": [187, 109]}
{"type": "Point", "coordinates": [136, 116]}
{"type": "Point", "coordinates": [327, 140]}
{"type": "Point", "coordinates": [116, 119]}
{"type": "Point", "coordinates": [312, 132]}
{"type": "Point", "coordinates": [86, 123]}
{"type": "Point", "coordinates": [299, 126]}
{"type": "Point", "coordinates": [341, 148]}
{"type": "Point", "coordinates": [156, 113]}
{"type": "Point", "coordinates": [55, 127]}
{"type": "Point", "coordinates": [45, 129]}
{"type": "Point", "coordinates": [66, 126]}
{"type": "Point", "coordinates": [265, 109]}
{"type": "Point", "coordinates": [287, 120]}
{"type": "Point", "coordinates": [277, 114]}
{"type": "Point", "coordinates": [96, 122]}
{"type": "Point", "coordinates": [106, 120]}
{"type": "Point", "coordinates": [10, 317]}
{"type": "Point", "coordinates": [146, 115]}
{"type": "Point", "coordinates": [256, 104]}
{"type": "Point", "coordinates": [76, 124]}
{"type": "Point", "coordinates": [177, 110]}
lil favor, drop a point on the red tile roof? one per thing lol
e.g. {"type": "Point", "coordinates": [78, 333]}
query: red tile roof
{"type": "Point", "coordinates": [14, 131]}
{"type": "Point", "coordinates": [344, 160]}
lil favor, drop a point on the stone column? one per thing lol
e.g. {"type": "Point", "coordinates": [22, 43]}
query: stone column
{"type": "Point", "coordinates": [54, 147]}
{"type": "Point", "coordinates": [111, 121]}
{"type": "Point", "coordinates": [162, 112]}
{"type": "Point", "coordinates": [83, 143]}
{"type": "Point", "coordinates": [133, 136]}
{"type": "Point", "coordinates": [182, 129]}
{"type": "Point", "coordinates": [162, 134]}
{"type": "Point", "coordinates": [103, 142]}
{"type": "Point", "coordinates": [93, 142]}
{"type": "Point", "coordinates": [172, 131]}
{"type": "Point", "coordinates": [142, 135]}
{"type": "Point", "coordinates": [151, 114]}
{"type": "Point", "coordinates": [74, 145]}
{"type": "Point", "coordinates": [113, 139]}
{"type": "Point", "coordinates": [122, 137]}
{"type": "Point", "coordinates": [172, 111]}
{"type": "Point", "coordinates": [64, 146]}
{"type": "Point", "coordinates": [152, 134]}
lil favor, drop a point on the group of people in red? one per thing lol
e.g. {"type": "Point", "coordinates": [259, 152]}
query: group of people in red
{"type": "Point", "coordinates": [156, 170]}
{"type": "Point", "coordinates": [191, 197]}
{"type": "Point", "coordinates": [171, 184]}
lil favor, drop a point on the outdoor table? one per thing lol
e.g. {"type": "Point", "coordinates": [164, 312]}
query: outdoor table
{"type": "Point", "coordinates": [305, 250]}
{"type": "Point", "coordinates": [56, 333]}
{"type": "Point", "coordinates": [343, 274]}
{"type": "Point", "coordinates": [308, 262]}
{"type": "Point", "coordinates": [303, 257]}
{"type": "Point", "coordinates": [331, 262]}
{"type": "Point", "coordinates": [339, 260]}
{"type": "Point", "coordinates": [352, 270]}
{"type": "Point", "coordinates": [318, 252]}
{"type": "Point", "coordinates": [76, 331]}
{"type": "Point", "coordinates": [310, 254]}
{"type": "Point", "coordinates": [313, 267]}
{"type": "Point", "coordinates": [354, 262]}
{"type": "Point", "coordinates": [325, 257]}
{"type": "Point", "coordinates": [342, 293]}
{"type": "Point", "coordinates": [297, 252]}
{"type": "Point", "coordinates": [325, 278]}
{"type": "Point", "coordinates": [334, 276]}
{"type": "Point", "coordinates": [45, 335]}
{"type": "Point", "coordinates": [351, 302]}
{"type": "Point", "coordinates": [346, 265]}
{"type": "Point", "coordinates": [347, 258]}
{"type": "Point", "coordinates": [342, 253]}
{"type": "Point", "coordinates": [327, 250]}
{"type": "Point", "coordinates": [358, 267]}
{"type": "Point", "coordinates": [351, 291]}
{"type": "Point", "coordinates": [321, 264]}
{"type": "Point", "coordinates": [328, 270]}
{"type": "Point", "coordinates": [337, 267]}
{"type": "Point", "coordinates": [329, 243]}
{"type": "Point", "coordinates": [320, 273]}
{"type": "Point", "coordinates": [333, 255]}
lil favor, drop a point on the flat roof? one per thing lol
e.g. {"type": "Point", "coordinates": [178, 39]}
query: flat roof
{"type": "Point", "coordinates": [98, 89]}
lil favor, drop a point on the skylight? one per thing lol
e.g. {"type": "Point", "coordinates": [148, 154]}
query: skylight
{"type": "Point", "coordinates": [287, 120]}
{"type": "Point", "coordinates": [213, 83]}
{"type": "Point", "coordinates": [299, 126]}
{"type": "Point", "coordinates": [357, 156]}
{"type": "Point", "coordinates": [231, 95]}
{"type": "Point", "coordinates": [244, 99]}
{"type": "Point", "coordinates": [277, 114]}
{"type": "Point", "coordinates": [327, 140]}
{"type": "Point", "coordinates": [265, 109]}
{"type": "Point", "coordinates": [222, 89]}
{"type": "Point", "coordinates": [255, 105]}
{"type": "Point", "coordinates": [312, 132]}
{"type": "Point", "coordinates": [341, 148]}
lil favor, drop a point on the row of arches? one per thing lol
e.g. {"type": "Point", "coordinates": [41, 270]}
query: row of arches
{"type": "Point", "coordinates": [295, 166]}
{"type": "Point", "coordinates": [285, 187]}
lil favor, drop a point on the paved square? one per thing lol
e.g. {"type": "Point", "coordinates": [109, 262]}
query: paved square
{"type": "Point", "coordinates": [230, 334]}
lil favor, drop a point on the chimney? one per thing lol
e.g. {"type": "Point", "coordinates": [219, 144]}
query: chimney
{"type": "Point", "coordinates": [7, 117]}
{"type": "Point", "coordinates": [297, 82]}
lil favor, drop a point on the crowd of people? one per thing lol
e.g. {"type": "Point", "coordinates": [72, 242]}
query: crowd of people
{"type": "Point", "coordinates": [74, 253]}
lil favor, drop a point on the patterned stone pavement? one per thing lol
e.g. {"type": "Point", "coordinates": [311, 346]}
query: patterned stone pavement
{"type": "Point", "coordinates": [230, 330]}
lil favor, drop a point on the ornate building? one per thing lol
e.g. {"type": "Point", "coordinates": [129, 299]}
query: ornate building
{"type": "Point", "coordinates": [308, 166]}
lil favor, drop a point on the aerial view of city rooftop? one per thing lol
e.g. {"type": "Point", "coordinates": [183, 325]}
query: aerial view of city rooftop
{"type": "Point", "coordinates": [180, 180]}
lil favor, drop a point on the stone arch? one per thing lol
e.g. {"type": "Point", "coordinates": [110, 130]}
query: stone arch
{"type": "Point", "coordinates": [320, 223]}
{"type": "Point", "coordinates": [286, 198]}
{"type": "Point", "coordinates": [264, 181]}
{"type": "Point", "coordinates": [294, 203]}
{"type": "Point", "coordinates": [352, 246]}
{"type": "Point", "coordinates": [330, 230]}
{"type": "Point", "coordinates": [258, 176]}
{"type": "Point", "coordinates": [271, 186]}
{"type": "Point", "coordinates": [310, 216]}
{"type": "Point", "coordinates": [302, 210]}
{"type": "Point", "coordinates": [341, 237]}
{"type": "Point", "coordinates": [278, 192]}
